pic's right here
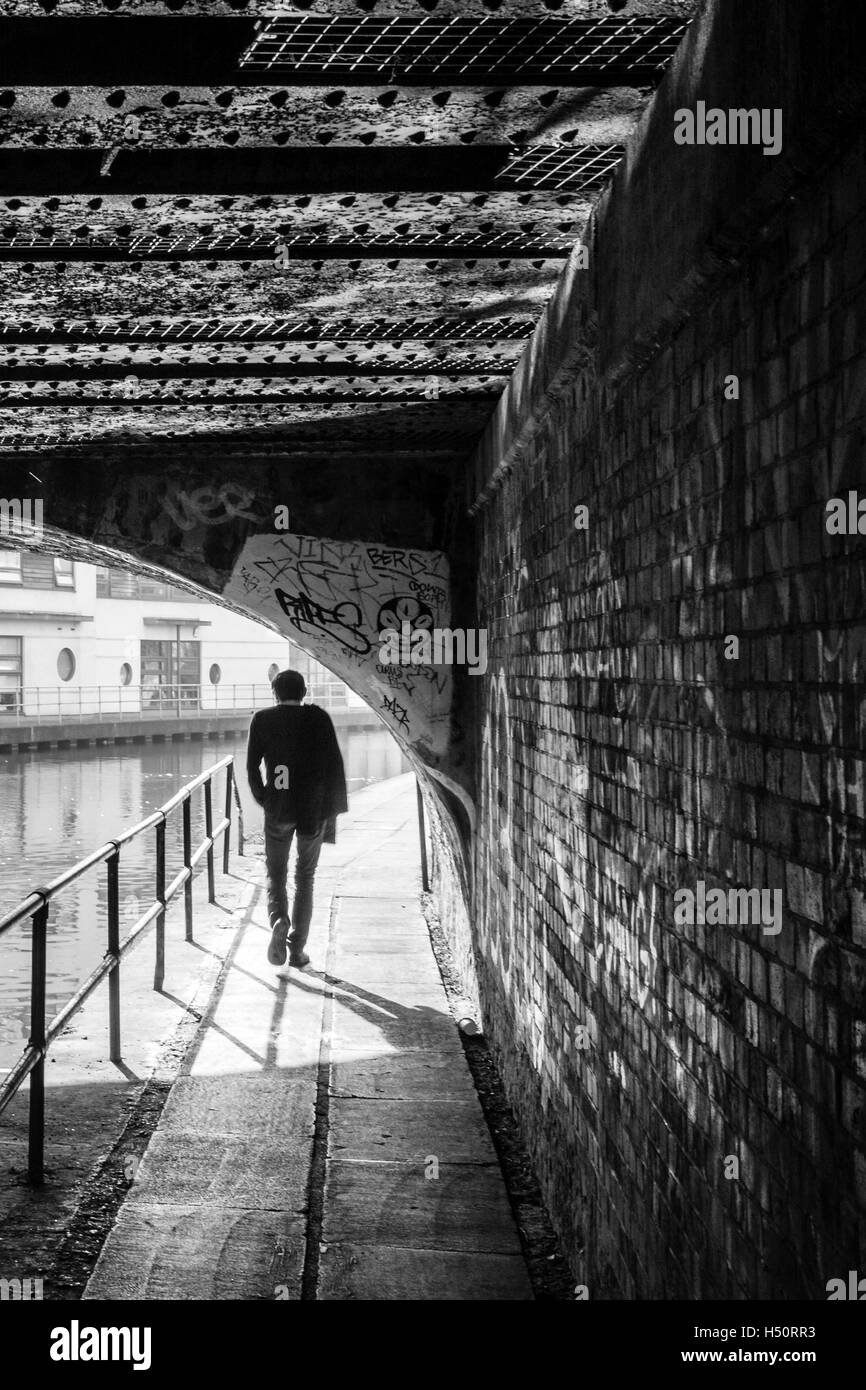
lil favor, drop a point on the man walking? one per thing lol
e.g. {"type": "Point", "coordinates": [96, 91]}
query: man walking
{"type": "Point", "coordinates": [305, 791]}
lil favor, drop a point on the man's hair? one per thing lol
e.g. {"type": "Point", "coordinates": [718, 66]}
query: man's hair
{"type": "Point", "coordinates": [289, 685]}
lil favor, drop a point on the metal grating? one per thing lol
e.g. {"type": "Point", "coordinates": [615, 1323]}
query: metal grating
{"type": "Point", "coordinates": [572, 170]}
{"type": "Point", "coordinates": [219, 330]}
{"type": "Point", "coordinates": [301, 246]}
{"type": "Point", "coordinates": [281, 366]}
{"type": "Point", "coordinates": [461, 49]}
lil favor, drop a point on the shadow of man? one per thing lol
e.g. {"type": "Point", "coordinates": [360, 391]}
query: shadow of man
{"type": "Point", "coordinates": [392, 1019]}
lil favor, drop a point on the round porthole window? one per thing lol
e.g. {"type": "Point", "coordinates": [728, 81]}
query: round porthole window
{"type": "Point", "coordinates": [65, 664]}
{"type": "Point", "coordinates": [272, 670]}
{"type": "Point", "coordinates": [126, 674]}
{"type": "Point", "coordinates": [215, 674]}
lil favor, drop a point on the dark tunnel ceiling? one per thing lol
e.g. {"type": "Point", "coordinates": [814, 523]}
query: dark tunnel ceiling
{"type": "Point", "coordinates": [421, 168]}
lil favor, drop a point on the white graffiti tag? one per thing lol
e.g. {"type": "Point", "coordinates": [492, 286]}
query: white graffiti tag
{"type": "Point", "coordinates": [207, 507]}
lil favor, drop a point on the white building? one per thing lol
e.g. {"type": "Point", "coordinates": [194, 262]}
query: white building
{"type": "Point", "coordinates": [78, 638]}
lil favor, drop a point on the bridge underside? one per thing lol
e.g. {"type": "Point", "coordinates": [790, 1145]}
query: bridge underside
{"type": "Point", "coordinates": [250, 261]}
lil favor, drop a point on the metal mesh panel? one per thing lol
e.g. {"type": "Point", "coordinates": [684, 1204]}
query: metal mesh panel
{"type": "Point", "coordinates": [301, 246]}
{"type": "Point", "coordinates": [217, 330]}
{"type": "Point", "coordinates": [571, 170]}
{"type": "Point", "coordinates": [463, 49]}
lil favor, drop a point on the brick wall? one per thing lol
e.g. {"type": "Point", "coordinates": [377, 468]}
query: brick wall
{"type": "Point", "coordinates": [623, 757]}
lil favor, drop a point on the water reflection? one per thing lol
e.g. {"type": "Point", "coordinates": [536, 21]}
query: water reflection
{"type": "Point", "coordinates": [58, 806]}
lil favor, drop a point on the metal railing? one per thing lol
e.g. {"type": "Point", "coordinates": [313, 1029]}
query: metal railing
{"type": "Point", "coordinates": [36, 906]}
{"type": "Point", "coordinates": [65, 703]}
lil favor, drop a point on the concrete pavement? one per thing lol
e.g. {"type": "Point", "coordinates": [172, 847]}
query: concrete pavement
{"type": "Point", "coordinates": [324, 1139]}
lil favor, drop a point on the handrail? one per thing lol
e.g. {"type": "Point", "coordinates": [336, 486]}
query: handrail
{"type": "Point", "coordinates": [24, 909]}
{"type": "Point", "coordinates": [71, 703]}
{"type": "Point", "coordinates": [37, 905]}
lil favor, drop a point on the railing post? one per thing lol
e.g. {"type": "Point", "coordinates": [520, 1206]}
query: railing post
{"type": "Point", "coordinates": [36, 1136]}
{"type": "Point", "coordinates": [159, 967]}
{"type": "Point", "coordinates": [114, 950]}
{"type": "Point", "coordinates": [228, 815]}
{"type": "Point", "coordinates": [208, 830]}
{"type": "Point", "coordinates": [425, 880]}
{"type": "Point", "coordinates": [240, 811]}
{"type": "Point", "coordinates": [187, 857]}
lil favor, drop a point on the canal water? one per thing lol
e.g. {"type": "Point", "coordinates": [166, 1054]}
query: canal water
{"type": "Point", "coordinates": [55, 807]}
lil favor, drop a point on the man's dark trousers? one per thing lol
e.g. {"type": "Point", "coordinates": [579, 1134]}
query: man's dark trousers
{"type": "Point", "coordinates": [278, 843]}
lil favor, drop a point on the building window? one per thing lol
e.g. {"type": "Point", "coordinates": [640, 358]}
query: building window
{"type": "Point", "coordinates": [111, 583]}
{"type": "Point", "coordinates": [64, 574]}
{"type": "Point", "coordinates": [215, 674]}
{"type": "Point", "coordinates": [65, 664]}
{"type": "Point", "coordinates": [30, 568]}
{"type": "Point", "coordinates": [155, 588]}
{"type": "Point", "coordinates": [170, 677]}
{"type": "Point", "coordinates": [10, 674]}
{"type": "Point", "coordinates": [126, 674]}
{"type": "Point", "coordinates": [10, 566]}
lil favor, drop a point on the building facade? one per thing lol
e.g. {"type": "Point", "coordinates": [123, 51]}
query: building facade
{"type": "Point", "coordinates": [83, 639]}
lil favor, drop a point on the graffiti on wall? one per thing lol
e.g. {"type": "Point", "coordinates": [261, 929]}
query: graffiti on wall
{"type": "Point", "coordinates": [207, 506]}
{"type": "Point", "coordinates": [496, 917]}
{"type": "Point", "coordinates": [334, 598]}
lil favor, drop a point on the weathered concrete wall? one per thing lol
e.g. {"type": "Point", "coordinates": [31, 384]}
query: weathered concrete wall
{"type": "Point", "coordinates": [624, 757]}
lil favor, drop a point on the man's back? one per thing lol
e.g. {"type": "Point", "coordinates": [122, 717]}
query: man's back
{"type": "Point", "coordinates": [305, 778]}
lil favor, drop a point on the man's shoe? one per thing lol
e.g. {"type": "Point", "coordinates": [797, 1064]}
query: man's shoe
{"type": "Point", "coordinates": [298, 959]}
{"type": "Point", "coordinates": [277, 947]}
